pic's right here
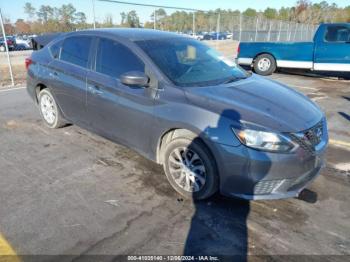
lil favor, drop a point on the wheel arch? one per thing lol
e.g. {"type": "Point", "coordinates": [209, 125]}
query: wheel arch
{"type": "Point", "coordinates": [264, 53]}
{"type": "Point", "coordinates": [38, 88]}
{"type": "Point", "coordinates": [176, 132]}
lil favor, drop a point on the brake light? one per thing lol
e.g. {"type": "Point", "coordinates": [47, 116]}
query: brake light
{"type": "Point", "coordinates": [28, 62]}
{"type": "Point", "coordinates": [238, 49]}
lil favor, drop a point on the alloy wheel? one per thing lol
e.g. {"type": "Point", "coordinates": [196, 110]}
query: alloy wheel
{"type": "Point", "coordinates": [187, 169]}
{"type": "Point", "coordinates": [48, 109]}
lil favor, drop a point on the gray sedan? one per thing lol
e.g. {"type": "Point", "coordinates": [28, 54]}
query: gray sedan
{"type": "Point", "coordinates": [213, 126]}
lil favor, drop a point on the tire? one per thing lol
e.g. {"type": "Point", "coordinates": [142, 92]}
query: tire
{"type": "Point", "coordinates": [206, 183]}
{"type": "Point", "coordinates": [265, 64]}
{"type": "Point", "coordinates": [49, 110]}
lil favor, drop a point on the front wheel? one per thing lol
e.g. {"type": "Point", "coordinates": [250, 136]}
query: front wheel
{"type": "Point", "coordinates": [265, 64]}
{"type": "Point", "coordinates": [190, 168]}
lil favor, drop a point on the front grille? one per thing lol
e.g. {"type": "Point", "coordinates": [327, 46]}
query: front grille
{"type": "Point", "coordinates": [266, 186]}
{"type": "Point", "coordinates": [310, 138]}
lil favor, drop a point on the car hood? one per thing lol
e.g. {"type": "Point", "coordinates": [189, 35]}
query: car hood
{"type": "Point", "coordinates": [258, 101]}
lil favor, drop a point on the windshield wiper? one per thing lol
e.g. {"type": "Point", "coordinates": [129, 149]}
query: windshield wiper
{"type": "Point", "coordinates": [233, 79]}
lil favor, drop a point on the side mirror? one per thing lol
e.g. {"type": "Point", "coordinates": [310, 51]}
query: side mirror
{"type": "Point", "coordinates": [134, 78]}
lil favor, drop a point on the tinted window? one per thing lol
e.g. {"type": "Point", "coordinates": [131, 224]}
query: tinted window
{"type": "Point", "coordinates": [338, 34]}
{"type": "Point", "coordinates": [55, 49]}
{"type": "Point", "coordinates": [115, 59]}
{"type": "Point", "coordinates": [75, 50]}
{"type": "Point", "coordinates": [187, 62]}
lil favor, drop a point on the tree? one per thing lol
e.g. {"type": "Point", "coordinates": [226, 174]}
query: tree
{"type": "Point", "coordinates": [108, 22]}
{"type": "Point", "coordinates": [347, 13]}
{"type": "Point", "coordinates": [80, 18]}
{"type": "Point", "coordinates": [22, 27]}
{"type": "Point", "coordinates": [133, 19]}
{"type": "Point", "coordinates": [160, 18]}
{"type": "Point", "coordinates": [67, 13]}
{"type": "Point", "coordinates": [29, 10]}
{"type": "Point", "coordinates": [123, 16]}
{"type": "Point", "coordinates": [9, 28]}
{"type": "Point", "coordinates": [45, 13]}
{"type": "Point", "coordinates": [284, 13]}
{"type": "Point", "coordinates": [270, 13]}
{"type": "Point", "coordinates": [250, 12]}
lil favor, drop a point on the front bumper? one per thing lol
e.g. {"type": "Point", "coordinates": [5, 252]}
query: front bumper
{"type": "Point", "coordinates": [244, 61]}
{"type": "Point", "coordinates": [254, 175]}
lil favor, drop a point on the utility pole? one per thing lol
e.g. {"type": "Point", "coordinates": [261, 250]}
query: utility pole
{"type": "Point", "coordinates": [7, 48]}
{"type": "Point", "coordinates": [218, 27]}
{"type": "Point", "coordinates": [154, 19]}
{"type": "Point", "coordinates": [194, 24]}
{"type": "Point", "coordinates": [93, 13]}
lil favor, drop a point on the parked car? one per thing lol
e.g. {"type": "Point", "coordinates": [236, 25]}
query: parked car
{"type": "Point", "coordinates": [215, 36]}
{"type": "Point", "coordinates": [329, 51]}
{"type": "Point", "coordinates": [10, 44]}
{"type": "Point", "coordinates": [197, 36]}
{"type": "Point", "coordinates": [22, 43]}
{"type": "Point", "coordinates": [212, 125]}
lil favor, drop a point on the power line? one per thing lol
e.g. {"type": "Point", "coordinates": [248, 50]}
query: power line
{"type": "Point", "coordinates": [149, 5]}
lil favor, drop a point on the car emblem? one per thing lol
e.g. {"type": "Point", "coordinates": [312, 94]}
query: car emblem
{"type": "Point", "coordinates": [318, 133]}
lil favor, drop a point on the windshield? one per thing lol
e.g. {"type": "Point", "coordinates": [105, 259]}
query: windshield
{"type": "Point", "coordinates": [188, 62]}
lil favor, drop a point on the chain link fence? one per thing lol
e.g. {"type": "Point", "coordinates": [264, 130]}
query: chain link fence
{"type": "Point", "coordinates": [233, 24]}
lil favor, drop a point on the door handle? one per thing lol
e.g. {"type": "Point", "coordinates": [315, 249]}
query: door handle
{"type": "Point", "coordinates": [95, 90]}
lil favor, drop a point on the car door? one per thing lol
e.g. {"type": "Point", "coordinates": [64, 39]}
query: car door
{"type": "Point", "coordinates": [68, 77]}
{"type": "Point", "coordinates": [120, 112]}
{"type": "Point", "coordinates": [332, 50]}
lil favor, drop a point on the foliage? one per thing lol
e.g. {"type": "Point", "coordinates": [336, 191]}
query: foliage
{"type": "Point", "coordinates": [66, 18]}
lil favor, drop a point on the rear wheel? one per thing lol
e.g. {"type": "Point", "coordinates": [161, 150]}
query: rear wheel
{"type": "Point", "coordinates": [190, 168]}
{"type": "Point", "coordinates": [49, 110]}
{"type": "Point", "coordinates": [265, 64]}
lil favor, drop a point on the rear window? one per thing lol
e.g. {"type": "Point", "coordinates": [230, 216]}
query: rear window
{"type": "Point", "coordinates": [76, 50]}
{"type": "Point", "coordinates": [114, 59]}
{"type": "Point", "coordinates": [338, 34]}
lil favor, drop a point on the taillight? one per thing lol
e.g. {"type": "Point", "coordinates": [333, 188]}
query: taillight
{"type": "Point", "coordinates": [28, 62]}
{"type": "Point", "coordinates": [238, 49]}
{"type": "Point", "coordinates": [9, 42]}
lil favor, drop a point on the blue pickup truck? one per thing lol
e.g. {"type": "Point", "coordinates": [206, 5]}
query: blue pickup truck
{"type": "Point", "coordinates": [330, 51]}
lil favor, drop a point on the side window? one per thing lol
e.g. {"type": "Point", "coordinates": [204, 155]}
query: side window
{"type": "Point", "coordinates": [55, 49]}
{"type": "Point", "coordinates": [337, 34]}
{"type": "Point", "coordinates": [115, 59]}
{"type": "Point", "coordinates": [76, 50]}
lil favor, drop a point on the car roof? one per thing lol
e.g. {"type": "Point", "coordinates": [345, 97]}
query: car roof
{"type": "Point", "coordinates": [336, 24]}
{"type": "Point", "coordinates": [132, 34]}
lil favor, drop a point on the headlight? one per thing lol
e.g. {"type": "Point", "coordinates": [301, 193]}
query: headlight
{"type": "Point", "coordinates": [266, 141]}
